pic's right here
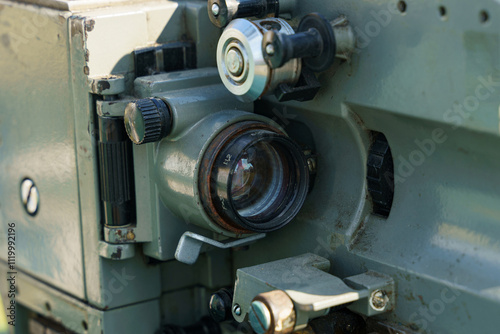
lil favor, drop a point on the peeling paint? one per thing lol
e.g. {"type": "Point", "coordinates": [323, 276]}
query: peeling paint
{"type": "Point", "coordinates": [89, 25]}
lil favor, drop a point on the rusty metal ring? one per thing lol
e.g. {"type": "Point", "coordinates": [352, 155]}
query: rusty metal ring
{"type": "Point", "coordinates": [205, 184]}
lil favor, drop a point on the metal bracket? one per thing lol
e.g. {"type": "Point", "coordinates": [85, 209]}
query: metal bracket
{"type": "Point", "coordinates": [313, 291]}
{"type": "Point", "coordinates": [192, 244]}
{"type": "Point", "coordinates": [168, 57]}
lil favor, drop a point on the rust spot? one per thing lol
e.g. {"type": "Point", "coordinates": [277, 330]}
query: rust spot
{"type": "Point", "coordinates": [356, 118]}
{"type": "Point", "coordinates": [421, 299]}
{"type": "Point", "coordinates": [119, 232]}
{"type": "Point", "coordinates": [86, 70]}
{"type": "Point", "coordinates": [103, 85]}
{"type": "Point", "coordinates": [205, 187]}
{"type": "Point", "coordinates": [87, 55]}
{"type": "Point", "coordinates": [89, 25]}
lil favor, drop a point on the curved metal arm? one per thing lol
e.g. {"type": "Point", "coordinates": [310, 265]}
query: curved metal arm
{"type": "Point", "coordinates": [190, 245]}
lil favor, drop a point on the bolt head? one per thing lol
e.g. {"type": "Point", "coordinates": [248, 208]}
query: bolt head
{"type": "Point", "coordinates": [270, 49]}
{"type": "Point", "coordinates": [30, 196]}
{"type": "Point", "coordinates": [379, 300]}
{"type": "Point", "coordinates": [217, 308]}
{"type": "Point", "coordinates": [259, 317]}
{"type": "Point", "coordinates": [234, 62]}
{"type": "Point", "coordinates": [215, 9]}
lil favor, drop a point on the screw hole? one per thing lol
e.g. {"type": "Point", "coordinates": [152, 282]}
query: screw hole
{"type": "Point", "coordinates": [47, 306]}
{"type": "Point", "coordinates": [484, 16]}
{"type": "Point", "coordinates": [402, 6]}
{"type": "Point", "coordinates": [84, 324]}
{"type": "Point", "coordinates": [442, 12]}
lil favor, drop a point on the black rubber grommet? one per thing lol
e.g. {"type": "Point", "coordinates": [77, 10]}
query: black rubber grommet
{"type": "Point", "coordinates": [323, 26]}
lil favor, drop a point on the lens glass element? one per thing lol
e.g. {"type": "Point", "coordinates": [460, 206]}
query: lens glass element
{"type": "Point", "coordinates": [257, 180]}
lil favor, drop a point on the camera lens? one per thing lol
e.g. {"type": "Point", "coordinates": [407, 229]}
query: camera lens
{"type": "Point", "coordinates": [257, 179]}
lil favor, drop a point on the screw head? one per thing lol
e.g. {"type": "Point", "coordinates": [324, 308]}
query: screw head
{"type": "Point", "coordinates": [234, 62]}
{"type": "Point", "coordinates": [30, 196]}
{"type": "Point", "coordinates": [379, 300]}
{"type": "Point", "coordinates": [215, 9]}
{"type": "Point", "coordinates": [259, 317]}
{"type": "Point", "coordinates": [237, 310]}
{"type": "Point", "coordinates": [270, 49]}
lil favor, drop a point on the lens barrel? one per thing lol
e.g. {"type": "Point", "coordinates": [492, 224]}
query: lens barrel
{"type": "Point", "coordinates": [253, 178]}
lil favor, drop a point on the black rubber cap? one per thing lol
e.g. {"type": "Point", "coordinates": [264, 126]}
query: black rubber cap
{"type": "Point", "coordinates": [380, 175]}
{"type": "Point", "coordinates": [147, 121]}
{"type": "Point", "coordinates": [220, 305]}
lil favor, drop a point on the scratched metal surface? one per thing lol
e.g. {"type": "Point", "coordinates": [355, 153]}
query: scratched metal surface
{"type": "Point", "coordinates": [38, 141]}
{"type": "Point", "coordinates": [441, 240]}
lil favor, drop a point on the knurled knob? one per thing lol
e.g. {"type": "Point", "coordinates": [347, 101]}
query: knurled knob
{"type": "Point", "coordinates": [147, 120]}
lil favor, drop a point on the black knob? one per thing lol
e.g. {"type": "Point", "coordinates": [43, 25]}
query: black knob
{"type": "Point", "coordinates": [147, 120]}
{"type": "Point", "coordinates": [314, 42]}
{"type": "Point", "coordinates": [220, 305]}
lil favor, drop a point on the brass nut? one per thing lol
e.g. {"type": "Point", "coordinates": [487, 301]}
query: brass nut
{"type": "Point", "coordinates": [281, 310]}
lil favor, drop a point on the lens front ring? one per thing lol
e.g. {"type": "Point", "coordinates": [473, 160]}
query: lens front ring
{"type": "Point", "coordinates": [279, 179]}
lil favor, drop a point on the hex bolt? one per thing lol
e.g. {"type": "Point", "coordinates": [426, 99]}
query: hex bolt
{"type": "Point", "coordinates": [237, 310]}
{"type": "Point", "coordinates": [30, 196]}
{"type": "Point", "coordinates": [215, 9]}
{"type": "Point", "coordinates": [259, 317]}
{"type": "Point", "coordinates": [379, 300]}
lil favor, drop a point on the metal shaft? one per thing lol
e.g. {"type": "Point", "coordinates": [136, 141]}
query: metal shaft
{"type": "Point", "coordinates": [280, 48]}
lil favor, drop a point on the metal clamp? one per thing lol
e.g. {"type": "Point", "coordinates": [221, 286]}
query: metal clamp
{"type": "Point", "coordinates": [261, 292]}
{"type": "Point", "coordinates": [191, 245]}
